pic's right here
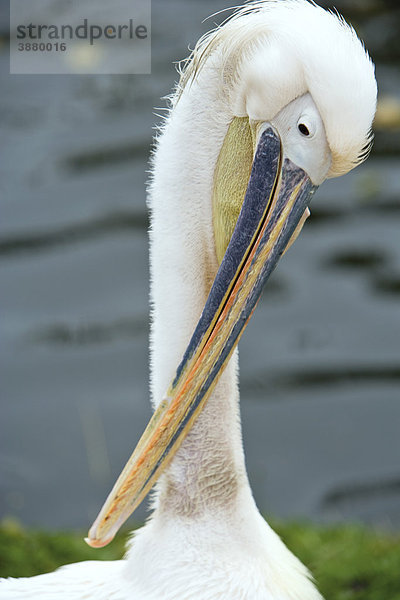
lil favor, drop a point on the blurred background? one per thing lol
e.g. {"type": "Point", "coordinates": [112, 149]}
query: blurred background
{"type": "Point", "coordinates": [320, 361]}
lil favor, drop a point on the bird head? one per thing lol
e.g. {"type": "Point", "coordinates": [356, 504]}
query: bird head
{"type": "Point", "coordinates": [276, 51]}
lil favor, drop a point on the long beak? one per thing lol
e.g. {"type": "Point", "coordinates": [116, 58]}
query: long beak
{"type": "Point", "coordinates": [274, 206]}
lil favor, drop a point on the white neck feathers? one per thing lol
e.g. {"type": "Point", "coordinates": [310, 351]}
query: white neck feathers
{"type": "Point", "coordinates": [209, 467]}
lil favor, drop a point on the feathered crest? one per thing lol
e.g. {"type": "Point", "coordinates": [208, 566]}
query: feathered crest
{"type": "Point", "coordinates": [336, 67]}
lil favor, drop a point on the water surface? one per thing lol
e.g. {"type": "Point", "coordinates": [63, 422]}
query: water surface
{"type": "Point", "coordinates": [320, 361]}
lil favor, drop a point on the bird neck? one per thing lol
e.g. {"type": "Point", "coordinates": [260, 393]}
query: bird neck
{"type": "Point", "coordinates": [208, 470]}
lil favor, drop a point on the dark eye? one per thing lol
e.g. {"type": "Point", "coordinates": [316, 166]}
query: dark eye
{"type": "Point", "coordinates": [303, 129]}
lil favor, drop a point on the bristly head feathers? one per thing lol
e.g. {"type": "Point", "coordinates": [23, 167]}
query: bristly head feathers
{"type": "Point", "coordinates": [273, 51]}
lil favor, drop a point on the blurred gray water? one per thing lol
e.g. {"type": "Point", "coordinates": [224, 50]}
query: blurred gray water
{"type": "Point", "coordinates": [320, 361]}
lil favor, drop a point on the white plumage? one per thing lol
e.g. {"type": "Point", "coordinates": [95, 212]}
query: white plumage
{"type": "Point", "coordinates": [206, 539]}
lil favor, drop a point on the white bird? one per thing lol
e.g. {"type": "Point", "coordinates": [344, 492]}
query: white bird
{"type": "Point", "coordinates": [269, 105]}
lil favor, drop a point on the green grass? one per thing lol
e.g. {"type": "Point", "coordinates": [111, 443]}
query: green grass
{"type": "Point", "coordinates": [348, 562]}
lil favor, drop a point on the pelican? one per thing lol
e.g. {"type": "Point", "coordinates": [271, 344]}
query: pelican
{"type": "Point", "coordinates": [269, 105]}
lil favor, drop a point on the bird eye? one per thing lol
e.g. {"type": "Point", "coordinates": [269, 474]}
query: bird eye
{"type": "Point", "coordinates": [304, 129]}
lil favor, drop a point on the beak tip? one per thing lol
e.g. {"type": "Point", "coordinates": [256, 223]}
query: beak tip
{"type": "Point", "coordinates": [95, 543]}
